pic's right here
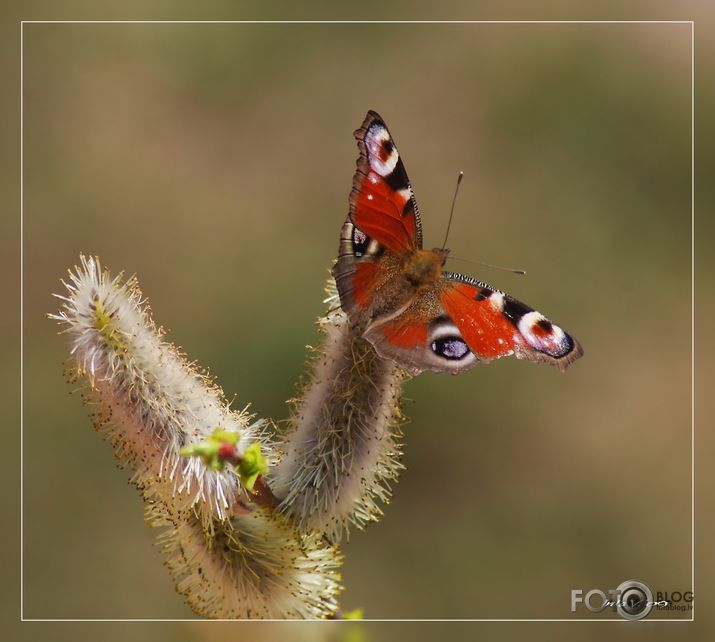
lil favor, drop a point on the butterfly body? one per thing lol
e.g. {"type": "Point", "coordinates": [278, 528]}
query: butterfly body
{"type": "Point", "coordinates": [407, 305]}
{"type": "Point", "coordinates": [423, 268]}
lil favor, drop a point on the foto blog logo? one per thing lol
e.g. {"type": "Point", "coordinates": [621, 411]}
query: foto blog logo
{"type": "Point", "coordinates": [632, 600]}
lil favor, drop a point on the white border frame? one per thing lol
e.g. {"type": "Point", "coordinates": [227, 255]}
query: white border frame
{"type": "Point", "coordinates": [692, 306]}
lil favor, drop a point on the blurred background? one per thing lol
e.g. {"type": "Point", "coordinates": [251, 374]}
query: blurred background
{"type": "Point", "coordinates": [215, 162]}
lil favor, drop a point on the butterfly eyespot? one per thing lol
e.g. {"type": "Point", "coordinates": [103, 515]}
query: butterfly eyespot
{"type": "Point", "coordinates": [543, 335]}
{"type": "Point", "coordinates": [382, 154]}
{"type": "Point", "coordinates": [360, 242]}
{"type": "Point", "coordinates": [387, 147]}
{"type": "Point", "coordinates": [452, 348]}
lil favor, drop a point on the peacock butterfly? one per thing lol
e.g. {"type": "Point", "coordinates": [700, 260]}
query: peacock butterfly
{"type": "Point", "coordinates": [407, 306]}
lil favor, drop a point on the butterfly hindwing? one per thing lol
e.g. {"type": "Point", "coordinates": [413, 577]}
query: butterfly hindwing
{"type": "Point", "coordinates": [357, 272]}
{"type": "Point", "coordinates": [421, 336]}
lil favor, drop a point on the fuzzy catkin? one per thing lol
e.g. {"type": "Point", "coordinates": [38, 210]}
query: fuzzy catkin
{"type": "Point", "coordinates": [251, 566]}
{"type": "Point", "coordinates": [227, 557]}
{"type": "Point", "coordinates": [342, 448]}
{"type": "Point", "coordinates": [150, 401]}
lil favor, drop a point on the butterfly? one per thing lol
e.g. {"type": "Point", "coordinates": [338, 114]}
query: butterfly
{"type": "Point", "coordinates": [406, 304]}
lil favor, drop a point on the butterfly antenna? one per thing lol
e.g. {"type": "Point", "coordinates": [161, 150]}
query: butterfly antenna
{"type": "Point", "coordinates": [489, 265]}
{"type": "Point", "coordinates": [451, 211]}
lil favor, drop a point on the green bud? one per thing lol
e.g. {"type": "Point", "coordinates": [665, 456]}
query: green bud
{"type": "Point", "coordinates": [252, 464]}
{"type": "Point", "coordinates": [208, 450]}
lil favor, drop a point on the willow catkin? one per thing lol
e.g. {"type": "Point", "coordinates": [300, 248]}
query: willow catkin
{"type": "Point", "coordinates": [251, 566]}
{"type": "Point", "coordinates": [149, 401]}
{"type": "Point", "coordinates": [342, 447]}
{"type": "Point", "coordinates": [227, 557]}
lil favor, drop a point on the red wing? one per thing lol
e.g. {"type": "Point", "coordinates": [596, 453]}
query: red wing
{"type": "Point", "coordinates": [382, 204]}
{"type": "Point", "coordinates": [494, 325]}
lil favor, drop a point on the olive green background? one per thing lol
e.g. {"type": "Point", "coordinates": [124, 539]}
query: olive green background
{"type": "Point", "coordinates": [214, 161]}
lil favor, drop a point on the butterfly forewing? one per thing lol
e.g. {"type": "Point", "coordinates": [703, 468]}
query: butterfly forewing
{"type": "Point", "coordinates": [382, 202]}
{"type": "Point", "coordinates": [494, 324]}
{"type": "Point", "coordinates": [382, 225]}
